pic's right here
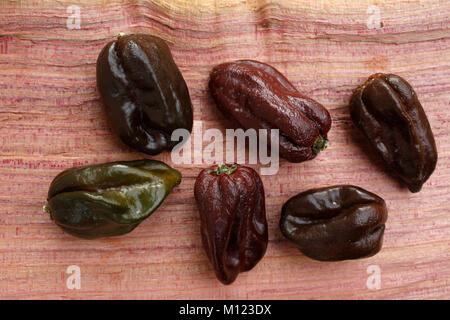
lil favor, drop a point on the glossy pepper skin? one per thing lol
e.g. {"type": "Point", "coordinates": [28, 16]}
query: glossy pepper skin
{"type": "Point", "coordinates": [233, 218]}
{"type": "Point", "coordinates": [256, 95]}
{"type": "Point", "coordinates": [109, 199]}
{"type": "Point", "coordinates": [335, 223]}
{"type": "Point", "coordinates": [145, 95]}
{"type": "Point", "coordinates": [386, 109]}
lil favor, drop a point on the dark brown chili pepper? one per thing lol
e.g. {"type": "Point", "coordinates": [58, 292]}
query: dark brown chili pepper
{"type": "Point", "coordinates": [388, 112]}
{"type": "Point", "coordinates": [145, 95]}
{"type": "Point", "coordinates": [256, 95]}
{"type": "Point", "coordinates": [233, 218]}
{"type": "Point", "coordinates": [335, 223]}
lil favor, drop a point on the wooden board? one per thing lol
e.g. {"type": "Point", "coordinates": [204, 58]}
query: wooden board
{"type": "Point", "coordinates": [51, 119]}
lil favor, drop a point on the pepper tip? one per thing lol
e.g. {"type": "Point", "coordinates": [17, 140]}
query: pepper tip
{"type": "Point", "coordinates": [46, 208]}
{"type": "Point", "coordinates": [320, 144]}
{"type": "Point", "coordinates": [223, 168]}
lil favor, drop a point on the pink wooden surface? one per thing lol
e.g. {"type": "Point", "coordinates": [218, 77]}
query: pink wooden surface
{"type": "Point", "coordinates": [51, 119]}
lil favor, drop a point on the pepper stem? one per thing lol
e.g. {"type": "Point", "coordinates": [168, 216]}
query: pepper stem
{"type": "Point", "coordinates": [223, 168]}
{"type": "Point", "coordinates": [121, 34]}
{"type": "Point", "coordinates": [320, 144]}
{"type": "Point", "coordinates": [46, 208]}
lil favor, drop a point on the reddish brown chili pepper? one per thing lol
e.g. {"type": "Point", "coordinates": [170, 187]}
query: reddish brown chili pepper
{"type": "Point", "coordinates": [233, 218]}
{"type": "Point", "coordinates": [335, 223]}
{"type": "Point", "coordinates": [388, 112]}
{"type": "Point", "coordinates": [256, 95]}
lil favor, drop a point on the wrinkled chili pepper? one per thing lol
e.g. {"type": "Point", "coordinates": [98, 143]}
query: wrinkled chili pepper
{"type": "Point", "coordinates": [256, 95]}
{"type": "Point", "coordinates": [232, 210]}
{"type": "Point", "coordinates": [386, 109]}
{"type": "Point", "coordinates": [145, 95]}
{"type": "Point", "coordinates": [335, 223]}
{"type": "Point", "coordinates": [109, 199]}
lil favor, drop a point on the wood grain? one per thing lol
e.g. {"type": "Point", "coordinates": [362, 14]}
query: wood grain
{"type": "Point", "coordinates": [51, 119]}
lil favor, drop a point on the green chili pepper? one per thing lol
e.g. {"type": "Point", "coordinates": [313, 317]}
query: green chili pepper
{"type": "Point", "coordinates": [109, 199]}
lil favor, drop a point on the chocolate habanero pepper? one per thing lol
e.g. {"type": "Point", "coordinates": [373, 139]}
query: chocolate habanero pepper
{"type": "Point", "coordinates": [386, 109]}
{"type": "Point", "coordinates": [335, 223]}
{"type": "Point", "coordinates": [233, 218]}
{"type": "Point", "coordinates": [256, 95]}
{"type": "Point", "coordinates": [145, 95]}
{"type": "Point", "coordinates": [109, 199]}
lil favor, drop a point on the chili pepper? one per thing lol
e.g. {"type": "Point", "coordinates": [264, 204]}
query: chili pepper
{"type": "Point", "coordinates": [232, 210]}
{"type": "Point", "coordinates": [256, 95]}
{"type": "Point", "coordinates": [335, 223]}
{"type": "Point", "coordinates": [145, 95]}
{"type": "Point", "coordinates": [109, 199]}
{"type": "Point", "coordinates": [386, 109]}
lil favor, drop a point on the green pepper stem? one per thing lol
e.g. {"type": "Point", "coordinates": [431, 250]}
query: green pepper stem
{"type": "Point", "coordinates": [223, 168]}
{"type": "Point", "coordinates": [320, 144]}
{"type": "Point", "coordinates": [46, 208]}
